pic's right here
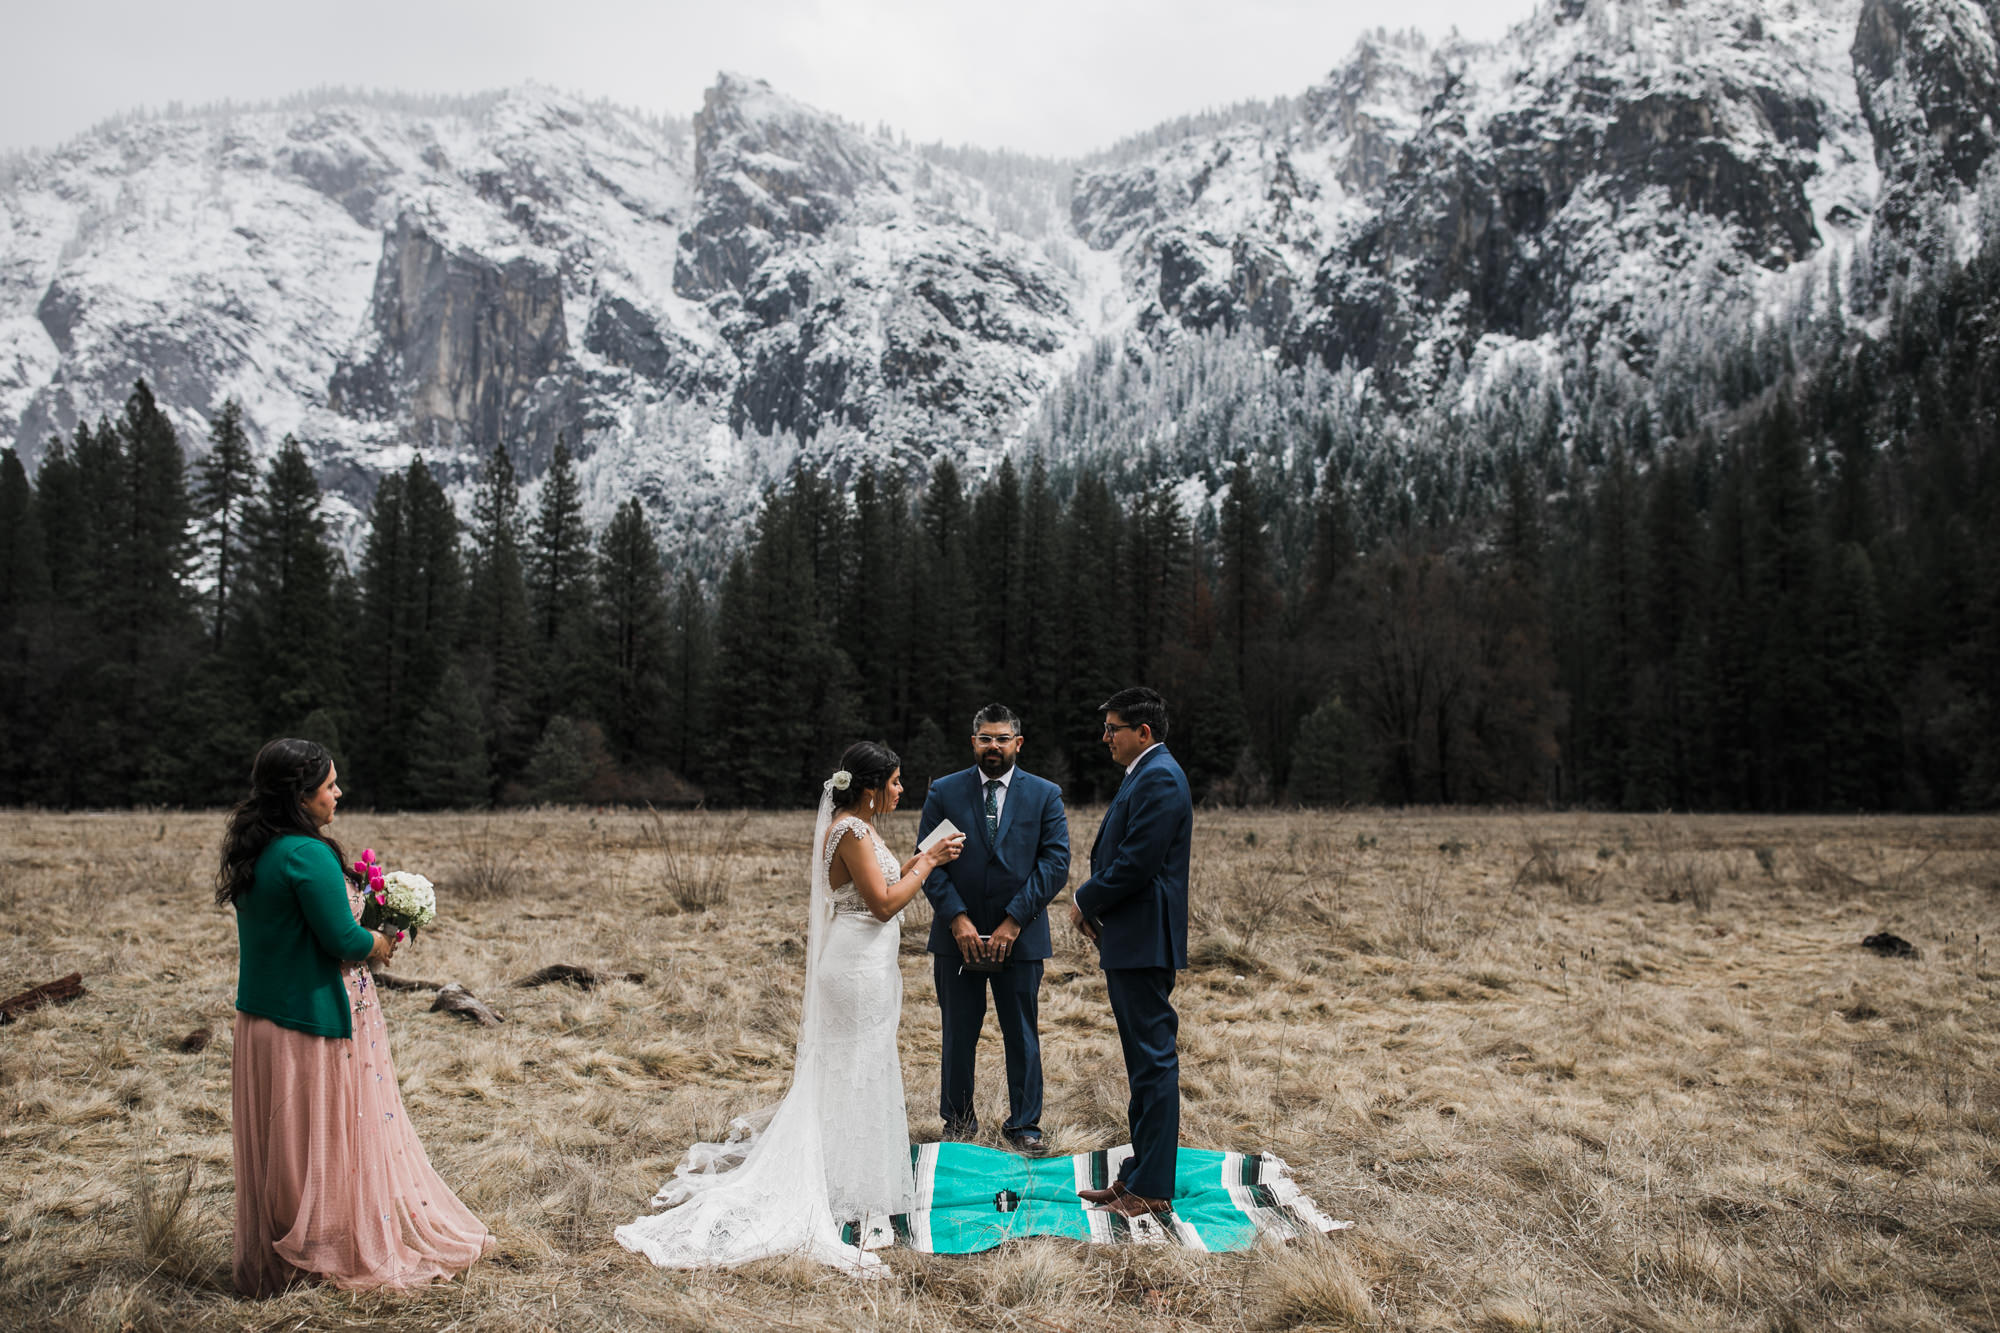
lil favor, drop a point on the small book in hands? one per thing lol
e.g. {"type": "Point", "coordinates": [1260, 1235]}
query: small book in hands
{"type": "Point", "coordinates": [982, 964]}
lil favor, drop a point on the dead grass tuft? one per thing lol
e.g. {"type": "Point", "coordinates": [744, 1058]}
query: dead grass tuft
{"type": "Point", "coordinates": [1312, 1283]}
{"type": "Point", "coordinates": [489, 863]}
{"type": "Point", "coordinates": [1682, 870]}
{"type": "Point", "coordinates": [697, 857]}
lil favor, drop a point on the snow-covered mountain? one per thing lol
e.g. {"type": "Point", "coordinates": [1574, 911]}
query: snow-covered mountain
{"type": "Point", "coordinates": [695, 307]}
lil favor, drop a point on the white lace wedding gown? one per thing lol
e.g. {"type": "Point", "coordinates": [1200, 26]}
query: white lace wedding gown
{"type": "Point", "coordinates": [837, 1148]}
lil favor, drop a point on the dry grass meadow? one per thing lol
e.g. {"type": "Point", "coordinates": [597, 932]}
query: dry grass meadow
{"type": "Point", "coordinates": [1564, 1072]}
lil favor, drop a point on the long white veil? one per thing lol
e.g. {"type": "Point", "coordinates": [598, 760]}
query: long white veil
{"type": "Point", "coordinates": [762, 1192]}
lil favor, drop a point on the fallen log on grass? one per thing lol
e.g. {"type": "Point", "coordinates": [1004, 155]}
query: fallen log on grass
{"type": "Point", "coordinates": [1890, 946]}
{"type": "Point", "coordinates": [60, 991]}
{"type": "Point", "coordinates": [586, 977]}
{"type": "Point", "coordinates": [456, 999]}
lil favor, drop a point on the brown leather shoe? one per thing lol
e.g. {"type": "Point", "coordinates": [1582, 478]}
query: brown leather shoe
{"type": "Point", "coordinates": [1128, 1204]}
{"type": "Point", "coordinates": [1099, 1198]}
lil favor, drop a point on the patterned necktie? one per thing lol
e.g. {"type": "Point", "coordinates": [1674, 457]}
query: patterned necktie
{"type": "Point", "coordinates": [992, 808]}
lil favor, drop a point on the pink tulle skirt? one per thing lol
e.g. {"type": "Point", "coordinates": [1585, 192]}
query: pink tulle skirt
{"type": "Point", "coordinates": [331, 1183]}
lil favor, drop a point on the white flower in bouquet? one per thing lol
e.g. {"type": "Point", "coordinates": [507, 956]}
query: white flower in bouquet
{"type": "Point", "coordinates": [412, 902]}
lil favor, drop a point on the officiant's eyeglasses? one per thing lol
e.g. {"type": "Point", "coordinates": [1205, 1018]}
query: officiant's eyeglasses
{"type": "Point", "coordinates": [1111, 727]}
{"type": "Point", "coordinates": [985, 742]}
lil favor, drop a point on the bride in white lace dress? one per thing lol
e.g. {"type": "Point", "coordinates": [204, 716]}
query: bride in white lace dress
{"type": "Point", "coordinates": [837, 1148]}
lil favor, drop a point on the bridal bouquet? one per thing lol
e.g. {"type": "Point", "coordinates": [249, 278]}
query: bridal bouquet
{"type": "Point", "coordinates": [399, 898]}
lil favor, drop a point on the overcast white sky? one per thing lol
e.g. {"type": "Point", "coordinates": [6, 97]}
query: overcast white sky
{"type": "Point", "coordinates": [1047, 76]}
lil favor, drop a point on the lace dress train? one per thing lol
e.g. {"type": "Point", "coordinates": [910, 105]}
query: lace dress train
{"type": "Point", "coordinates": [837, 1148]}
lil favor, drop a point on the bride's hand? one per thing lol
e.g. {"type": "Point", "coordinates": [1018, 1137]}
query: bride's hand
{"type": "Point", "coordinates": [945, 851]}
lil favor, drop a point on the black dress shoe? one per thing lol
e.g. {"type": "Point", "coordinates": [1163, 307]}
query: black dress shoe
{"type": "Point", "coordinates": [960, 1131]}
{"type": "Point", "coordinates": [1027, 1142]}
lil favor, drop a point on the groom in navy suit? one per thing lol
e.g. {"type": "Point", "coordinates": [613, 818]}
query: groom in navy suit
{"type": "Point", "coordinates": [1135, 906]}
{"type": "Point", "coordinates": [990, 924]}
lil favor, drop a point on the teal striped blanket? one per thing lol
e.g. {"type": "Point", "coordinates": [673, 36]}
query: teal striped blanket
{"type": "Point", "coordinates": [971, 1199]}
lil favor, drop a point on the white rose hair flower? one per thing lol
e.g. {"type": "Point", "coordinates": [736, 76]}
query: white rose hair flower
{"type": "Point", "coordinates": [842, 780]}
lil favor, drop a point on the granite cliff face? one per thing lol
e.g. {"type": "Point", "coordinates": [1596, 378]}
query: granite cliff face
{"type": "Point", "coordinates": [1427, 198]}
{"type": "Point", "coordinates": [472, 350]}
{"type": "Point", "coordinates": [698, 306]}
{"type": "Point", "coordinates": [1928, 76]}
{"type": "Point", "coordinates": [853, 284]}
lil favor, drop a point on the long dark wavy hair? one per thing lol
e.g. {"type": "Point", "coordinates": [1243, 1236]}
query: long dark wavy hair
{"type": "Point", "coordinates": [872, 764]}
{"type": "Point", "coordinates": [284, 773]}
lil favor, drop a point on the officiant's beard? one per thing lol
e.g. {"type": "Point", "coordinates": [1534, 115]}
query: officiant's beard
{"type": "Point", "coordinates": [994, 764]}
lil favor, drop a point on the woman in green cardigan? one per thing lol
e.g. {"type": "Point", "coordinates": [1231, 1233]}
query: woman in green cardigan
{"type": "Point", "coordinates": [331, 1183]}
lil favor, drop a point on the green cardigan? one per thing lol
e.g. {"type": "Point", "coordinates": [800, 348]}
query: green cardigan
{"type": "Point", "coordinates": [293, 930]}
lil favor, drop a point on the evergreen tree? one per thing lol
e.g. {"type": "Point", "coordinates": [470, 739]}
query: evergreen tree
{"type": "Point", "coordinates": [1786, 548]}
{"type": "Point", "coordinates": [151, 552]}
{"type": "Point", "coordinates": [1330, 765]}
{"type": "Point", "coordinates": [225, 482]}
{"type": "Point", "coordinates": [24, 606]}
{"type": "Point", "coordinates": [997, 555]}
{"type": "Point", "coordinates": [412, 592]}
{"type": "Point", "coordinates": [292, 647]}
{"type": "Point", "coordinates": [560, 588]}
{"type": "Point", "coordinates": [1666, 675]}
{"type": "Point", "coordinates": [1041, 654]}
{"type": "Point", "coordinates": [1094, 634]}
{"type": "Point", "coordinates": [24, 575]}
{"type": "Point", "coordinates": [784, 690]}
{"type": "Point", "coordinates": [69, 521]}
{"type": "Point", "coordinates": [1605, 709]}
{"type": "Point", "coordinates": [564, 762]}
{"type": "Point", "coordinates": [1245, 593]}
{"type": "Point", "coordinates": [948, 653]}
{"type": "Point", "coordinates": [1160, 551]}
{"type": "Point", "coordinates": [498, 642]}
{"type": "Point", "coordinates": [1859, 727]}
{"type": "Point", "coordinates": [886, 591]}
{"type": "Point", "coordinates": [77, 743]}
{"type": "Point", "coordinates": [690, 668]}
{"type": "Point", "coordinates": [634, 626]}
{"type": "Point", "coordinates": [1247, 609]}
{"type": "Point", "coordinates": [145, 604]}
{"type": "Point", "coordinates": [448, 765]}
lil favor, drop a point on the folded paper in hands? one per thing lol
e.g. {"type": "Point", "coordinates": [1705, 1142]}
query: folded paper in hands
{"type": "Point", "coordinates": [945, 829]}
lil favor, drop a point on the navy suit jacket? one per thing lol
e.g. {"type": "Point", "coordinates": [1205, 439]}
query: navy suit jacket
{"type": "Point", "coordinates": [1137, 893]}
{"type": "Point", "coordinates": [1018, 877]}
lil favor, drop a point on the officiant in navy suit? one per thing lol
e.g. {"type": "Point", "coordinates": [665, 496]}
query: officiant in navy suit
{"type": "Point", "coordinates": [1135, 906]}
{"type": "Point", "coordinates": [990, 927]}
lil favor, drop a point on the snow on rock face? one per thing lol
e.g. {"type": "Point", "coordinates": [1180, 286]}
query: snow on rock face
{"type": "Point", "coordinates": [852, 284]}
{"type": "Point", "coordinates": [468, 347]}
{"type": "Point", "coordinates": [698, 311]}
{"type": "Point", "coordinates": [1595, 139]}
{"type": "Point", "coordinates": [1928, 76]}
{"type": "Point", "coordinates": [1428, 197]}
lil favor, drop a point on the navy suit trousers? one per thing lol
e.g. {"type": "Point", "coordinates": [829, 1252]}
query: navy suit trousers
{"type": "Point", "coordinates": [961, 996]}
{"type": "Point", "coordinates": [1149, 1029]}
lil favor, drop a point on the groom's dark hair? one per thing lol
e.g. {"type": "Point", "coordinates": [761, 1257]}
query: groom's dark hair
{"type": "Point", "coordinates": [1140, 707]}
{"type": "Point", "coordinates": [993, 714]}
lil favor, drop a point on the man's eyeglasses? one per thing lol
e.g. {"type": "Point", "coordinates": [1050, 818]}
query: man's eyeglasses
{"type": "Point", "coordinates": [1111, 728]}
{"type": "Point", "coordinates": [993, 742]}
